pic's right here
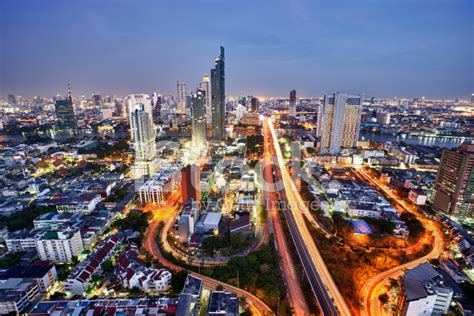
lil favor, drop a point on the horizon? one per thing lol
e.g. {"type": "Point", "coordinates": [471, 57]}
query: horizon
{"type": "Point", "coordinates": [119, 48]}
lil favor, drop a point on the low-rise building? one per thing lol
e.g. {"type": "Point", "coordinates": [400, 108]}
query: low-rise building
{"type": "Point", "coordinates": [83, 272]}
{"type": "Point", "coordinates": [109, 306]}
{"type": "Point", "coordinates": [82, 204]}
{"type": "Point", "coordinates": [133, 273]}
{"type": "Point", "coordinates": [223, 304]}
{"type": "Point", "coordinates": [159, 187]}
{"type": "Point", "coordinates": [43, 272]}
{"type": "Point", "coordinates": [417, 196]}
{"type": "Point", "coordinates": [18, 295]}
{"type": "Point", "coordinates": [21, 240]}
{"type": "Point", "coordinates": [425, 293]}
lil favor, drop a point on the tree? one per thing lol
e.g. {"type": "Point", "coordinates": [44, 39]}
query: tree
{"type": "Point", "coordinates": [177, 280]}
{"type": "Point", "coordinates": [107, 266]}
{"type": "Point", "coordinates": [383, 298]}
{"type": "Point", "coordinates": [211, 244]}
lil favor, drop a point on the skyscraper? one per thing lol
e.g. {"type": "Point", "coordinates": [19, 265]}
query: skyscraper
{"type": "Point", "coordinates": [191, 183]}
{"type": "Point", "coordinates": [292, 107]}
{"type": "Point", "coordinates": [254, 105]}
{"type": "Point", "coordinates": [11, 99]}
{"type": "Point", "coordinates": [218, 97]}
{"type": "Point", "coordinates": [181, 94]}
{"type": "Point", "coordinates": [453, 192]}
{"type": "Point", "coordinates": [205, 85]}
{"type": "Point", "coordinates": [66, 119]}
{"type": "Point", "coordinates": [97, 100]}
{"type": "Point", "coordinates": [198, 117]}
{"type": "Point", "coordinates": [143, 136]}
{"type": "Point", "coordinates": [338, 122]}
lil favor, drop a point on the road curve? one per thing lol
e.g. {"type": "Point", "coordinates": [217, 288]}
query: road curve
{"type": "Point", "coordinates": [375, 286]}
{"type": "Point", "coordinates": [256, 305]}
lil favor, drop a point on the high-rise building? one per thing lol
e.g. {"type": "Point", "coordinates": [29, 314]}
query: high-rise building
{"type": "Point", "coordinates": [338, 122]}
{"type": "Point", "coordinates": [292, 107]}
{"type": "Point", "coordinates": [198, 118]}
{"type": "Point", "coordinates": [205, 85]}
{"type": "Point", "coordinates": [472, 99]}
{"type": "Point", "coordinates": [191, 183]}
{"type": "Point", "coordinates": [97, 100]}
{"type": "Point", "coordinates": [218, 97]}
{"type": "Point", "coordinates": [11, 99]}
{"type": "Point", "coordinates": [143, 136]}
{"type": "Point", "coordinates": [141, 98]}
{"type": "Point", "coordinates": [254, 104]}
{"type": "Point", "coordinates": [453, 192]}
{"type": "Point", "coordinates": [66, 119]}
{"type": "Point", "coordinates": [182, 94]}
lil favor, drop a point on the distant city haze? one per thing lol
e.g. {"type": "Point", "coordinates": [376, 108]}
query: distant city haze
{"type": "Point", "coordinates": [378, 48]}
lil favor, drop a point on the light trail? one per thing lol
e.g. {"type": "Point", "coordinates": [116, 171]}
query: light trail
{"type": "Point", "coordinates": [376, 285]}
{"type": "Point", "coordinates": [295, 294]}
{"type": "Point", "coordinates": [321, 281]}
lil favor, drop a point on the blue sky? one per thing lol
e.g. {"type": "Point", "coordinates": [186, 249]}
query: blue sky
{"type": "Point", "coordinates": [387, 48]}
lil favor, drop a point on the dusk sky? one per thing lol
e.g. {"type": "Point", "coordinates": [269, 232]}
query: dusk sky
{"type": "Point", "coordinates": [379, 48]}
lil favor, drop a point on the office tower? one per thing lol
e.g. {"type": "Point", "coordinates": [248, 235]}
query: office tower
{"type": "Point", "coordinates": [338, 122]}
{"type": "Point", "coordinates": [191, 183]}
{"type": "Point", "coordinates": [472, 99]}
{"type": "Point", "coordinates": [134, 99]}
{"type": "Point", "coordinates": [254, 105]}
{"type": "Point", "coordinates": [205, 85]}
{"type": "Point", "coordinates": [198, 118]}
{"type": "Point", "coordinates": [66, 119]}
{"type": "Point", "coordinates": [97, 100]}
{"type": "Point", "coordinates": [143, 136]}
{"type": "Point", "coordinates": [218, 97]}
{"type": "Point", "coordinates": [181, 97]}
{"type": "Point", "coordinates": [453, 191]}
{"type": "Point", "coordinates": [11, 99]}
{"type": "Point", "coordinates": [292, 107]}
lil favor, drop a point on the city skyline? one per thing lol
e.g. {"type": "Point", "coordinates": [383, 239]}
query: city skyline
{"type": "Point", "coordinates": [290, 40]}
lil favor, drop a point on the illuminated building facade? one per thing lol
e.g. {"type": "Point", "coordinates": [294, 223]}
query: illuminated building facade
{"type": "Point", "coordinates": [338, 122]}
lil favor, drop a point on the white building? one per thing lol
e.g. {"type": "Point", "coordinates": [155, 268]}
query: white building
{"type": "Point", "coordinates": [22, 240]}
{"type": "Point", "coordinates": [143, 135]}
{"type": "Point", "coordinates": [59, 246]}
{"type": "Point", "coordinates": [133, 273]}
{"type": "Point", "coordinates": [157, 189]}
{"type": "Point", "coordinates": [187, 220]}
{"type": "Point", "coordinates": [338, 122]}
{"type": "Point", "coordinates": [425, 293]}
{"type": "Point", "coordinates": [83, 204]}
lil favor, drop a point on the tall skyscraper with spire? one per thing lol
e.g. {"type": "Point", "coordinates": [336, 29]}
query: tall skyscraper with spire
{"type": "Point", "coordinates": [205, 85]}
{"type": "Point", "coordinates": [142, 135]}
{"type": "Point", "coordinates": [218, 97]}
{"type": "Point", "coordinates": [198, 117]}
{"type": "Point", "coordinates": [66, 119]}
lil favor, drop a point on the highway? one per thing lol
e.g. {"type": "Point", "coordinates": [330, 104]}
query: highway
{"type": "Point", "coordinates": [292, 283]}
{"type": "Point", "coordinates": [324, 288]}
{"type": "Point", "coordinates": [378, 283]}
